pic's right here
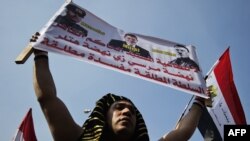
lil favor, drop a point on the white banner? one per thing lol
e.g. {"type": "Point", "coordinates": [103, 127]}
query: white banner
{"type": "Point", "coordinates": [76, 32]}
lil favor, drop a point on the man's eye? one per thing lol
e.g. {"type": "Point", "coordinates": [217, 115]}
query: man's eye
{"type": "Point", "coordinates": [132, 110]}
{"type": "Point", "coordinates": [121, 107]}
{"type": "Point", "coordinates": [118, 107]}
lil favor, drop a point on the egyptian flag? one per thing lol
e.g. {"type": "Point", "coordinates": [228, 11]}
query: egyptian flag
{"type": "Point", "coordinates": [226, 107]}
{"type": "Point", "coordinates": [26, 131]}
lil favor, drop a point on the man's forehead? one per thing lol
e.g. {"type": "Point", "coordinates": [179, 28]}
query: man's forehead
{"type": "Point", "coordinates": [123, 102]}
{"type": "Point", "coordinates": [131, 37]}
{"type": "Point", "coordinates": [181, 49]}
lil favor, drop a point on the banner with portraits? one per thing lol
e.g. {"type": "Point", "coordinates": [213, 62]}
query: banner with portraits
{"type": "Point", "coordinates": [76, 32]}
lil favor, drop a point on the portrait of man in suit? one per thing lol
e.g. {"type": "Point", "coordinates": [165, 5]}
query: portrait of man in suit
{"type": "Point", "coordinates": [129, 45]}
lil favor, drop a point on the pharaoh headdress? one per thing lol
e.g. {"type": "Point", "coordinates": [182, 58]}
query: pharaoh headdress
{"type": "Point", "coordinates": [94, 126]}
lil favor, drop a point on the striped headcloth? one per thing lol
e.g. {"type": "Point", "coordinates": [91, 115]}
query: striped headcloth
{"type": "Point", "coordinates": [94, 126]}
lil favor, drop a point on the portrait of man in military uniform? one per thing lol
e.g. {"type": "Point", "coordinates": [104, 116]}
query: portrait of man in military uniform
{"type": "Point", "coordinates": [183, 59]}
{"type": "Point", "coordinates": [70, 21]}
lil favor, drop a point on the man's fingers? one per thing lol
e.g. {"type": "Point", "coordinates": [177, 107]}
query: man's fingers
{"type": "Point", "coordinates": [34, 37]}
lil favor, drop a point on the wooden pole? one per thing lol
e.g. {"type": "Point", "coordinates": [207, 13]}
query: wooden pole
{"type": "Point", "coordinates": [24, 55]}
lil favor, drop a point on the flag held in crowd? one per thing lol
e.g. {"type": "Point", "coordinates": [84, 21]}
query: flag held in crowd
{"type": "Point", "coordinates": [226, 106]}
{"type": "Point", "coordinates": [25, 131]}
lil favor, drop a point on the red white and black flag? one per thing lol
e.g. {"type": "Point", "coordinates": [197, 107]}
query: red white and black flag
{"type": "Point", "coordinates": [226, 107]}
{"type": "Point", "coordinates": [25, 131]}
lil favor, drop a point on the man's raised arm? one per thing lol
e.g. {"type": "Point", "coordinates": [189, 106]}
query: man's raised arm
{"type": "Point", "coordinates": [61, 124]}
{"type": "Point", "coordinates": [187, 125]}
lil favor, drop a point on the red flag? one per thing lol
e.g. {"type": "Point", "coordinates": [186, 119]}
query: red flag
{"type": "Point", "coordinates": [26, 131]}
{"type": "Point", "coordinates": [226, 107]}
{"type": "Point", "coordinates": [224, 76]}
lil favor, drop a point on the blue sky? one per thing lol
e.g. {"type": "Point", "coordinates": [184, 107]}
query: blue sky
{"type": "Point", "coordinates": [211, 26]}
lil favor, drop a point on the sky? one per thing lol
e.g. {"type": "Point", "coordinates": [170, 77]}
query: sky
{"type": "Point", "coordinates": [211, 26]}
